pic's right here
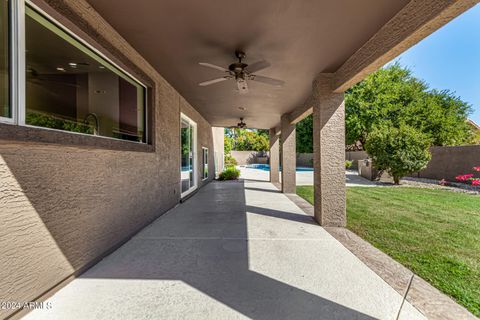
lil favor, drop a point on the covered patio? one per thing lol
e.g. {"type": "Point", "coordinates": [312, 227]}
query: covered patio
{"type": "Point", "coordinates": [235, 250]}
{"type": "Point", "coordinates": [314, 51]}
{"type": "Point", "coordinates": [74, 205]}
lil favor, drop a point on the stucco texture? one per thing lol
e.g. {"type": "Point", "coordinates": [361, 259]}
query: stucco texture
{"type": "Point", "coordinates": [449, 162]}
{"type": "Point", "coordinates": [64, 206]}
{"type": "Point", "coordinates": [329, 153]}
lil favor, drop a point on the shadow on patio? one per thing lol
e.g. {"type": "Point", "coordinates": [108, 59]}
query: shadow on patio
{"type": "Point", "coordinates": [231, 251]}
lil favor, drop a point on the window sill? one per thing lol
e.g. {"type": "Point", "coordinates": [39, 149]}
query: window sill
{"type": "Point", "coordinates": [26, 134]}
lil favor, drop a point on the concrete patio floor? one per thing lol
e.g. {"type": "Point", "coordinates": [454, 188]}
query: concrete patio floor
{"type": "Point", "coordinates": [234, 250]}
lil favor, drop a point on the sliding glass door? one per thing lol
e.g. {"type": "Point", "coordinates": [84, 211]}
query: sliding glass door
{"type": "Point", "coordinates": [188, 134]}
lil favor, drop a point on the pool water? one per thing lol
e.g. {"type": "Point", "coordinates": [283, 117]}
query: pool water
{"type": "Point", "coordinates": [266, 167]}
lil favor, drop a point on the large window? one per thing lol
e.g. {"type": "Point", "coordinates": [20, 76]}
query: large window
{"type": "Point", "coordinates": [70, 87]}
{"type": "Point", "coordinates": [4, 60]}
{"type": "Point", "coordinates": [59, 82]}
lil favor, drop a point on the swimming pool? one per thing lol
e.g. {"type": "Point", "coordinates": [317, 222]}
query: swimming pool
{"type": "Point", "coordinates": [266, 167]}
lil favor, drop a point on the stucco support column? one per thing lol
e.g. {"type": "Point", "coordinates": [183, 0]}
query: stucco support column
{"type": "Point", "coordinates": [289, 155]}
{"type": "Point", "coordinates": [329, 153]}
{"type": "Point", "coordinates": [274, 156]}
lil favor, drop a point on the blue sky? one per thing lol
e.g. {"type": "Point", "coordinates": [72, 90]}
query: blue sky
{"type": "Point", "coordinates": [450, 59]}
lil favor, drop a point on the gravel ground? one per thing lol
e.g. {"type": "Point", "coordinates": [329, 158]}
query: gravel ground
{"type": "Point", "coordinates": [434, 184]}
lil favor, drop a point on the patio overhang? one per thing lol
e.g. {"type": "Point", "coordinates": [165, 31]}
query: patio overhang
{"type": "Point", "coordinates": [414, 22]}
{"type": "Point", "coordinates": [319, 48]}
{"type": "Point", "coordinates": [300, 39]}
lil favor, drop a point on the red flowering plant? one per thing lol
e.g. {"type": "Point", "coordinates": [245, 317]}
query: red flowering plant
{"type": "Point", "coordinates": [469, 178]}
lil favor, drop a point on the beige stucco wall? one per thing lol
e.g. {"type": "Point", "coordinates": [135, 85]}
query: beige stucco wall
{"type": "Point", "coordinates": [354, 156]}
{"type": "Point", "coordinates": [219, 145]}
{"type": "Point", "coordinates": [64, 206]}
{"type": "Point", "coordinates": [249, 157]}
{"type": "Point", "coordinates": [449, 162]}
{"type": "Point", "coordinates": [306, 159]}
{"type": "Point", "coordinates": [446, 162]}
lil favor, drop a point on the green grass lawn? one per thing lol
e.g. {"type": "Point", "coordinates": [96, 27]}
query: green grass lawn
{"type": "Point", "coordinates": [434, 233]}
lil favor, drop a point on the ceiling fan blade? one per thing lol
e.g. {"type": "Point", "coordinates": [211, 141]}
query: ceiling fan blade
{"type": "Point", "coordinates": [209, 65]}
{"type": "Point", "coordinates": [267, 80]}
{"type": "Point", "coordinates": [209, 82]}
{"type": "Point", "coordinates": [257, 66]}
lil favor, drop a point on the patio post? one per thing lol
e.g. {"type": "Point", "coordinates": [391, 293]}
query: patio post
{"type": "Point", "coordinates": [329, 153]}
{"type": "Point", "coordinates": [274, 155]}
{"type": "Point", "coordinates": [289, 155]}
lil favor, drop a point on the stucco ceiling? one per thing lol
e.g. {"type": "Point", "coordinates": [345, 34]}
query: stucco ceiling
{"type": "Point", "coordinates": [300, 38]}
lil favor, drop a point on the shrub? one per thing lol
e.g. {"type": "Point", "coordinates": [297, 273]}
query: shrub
{"type": "Point", "coordinates": [230, 173]}
{"type": "Point", "coordinates": [399, 151]}
{"type": "Point", "coordinates": [348, 164]}
{"type": "Point", "coordinates": [469, 178]}
{"type": "Point", "coordinates": [230, 161]}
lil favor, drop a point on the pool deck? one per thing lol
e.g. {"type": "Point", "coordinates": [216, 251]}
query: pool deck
{"type": "Point", "coordinates": [305, 178]}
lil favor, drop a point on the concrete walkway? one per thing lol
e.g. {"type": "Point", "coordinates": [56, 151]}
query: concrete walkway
{"type": "Point", "coordinates": [235, 250]}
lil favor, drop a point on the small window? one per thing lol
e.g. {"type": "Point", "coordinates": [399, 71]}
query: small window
{"type": "Point", "coordinates": [70, 87]}
{"type": "Point", "coordinates": [205, 163]}
{"type": "Point", "coordinates": [5, 109]}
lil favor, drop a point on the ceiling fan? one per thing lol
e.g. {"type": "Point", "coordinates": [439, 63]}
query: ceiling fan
{"type": "Point", "coordinates": [241, 72]}
{"type": "Point", "coordinates": [240, 125]}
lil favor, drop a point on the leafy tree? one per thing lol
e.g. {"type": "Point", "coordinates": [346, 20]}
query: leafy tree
{"type": "Point", "coordinates": [304, 135]}
{"type": "Point", "coordinates": [399, 151]}
{"type": "Point", "coordinates": [475, 133]}
{"type": "Point", "coordinates": [227, 144]}
{"type": "Point", "coordinates": [392, 95]}
{"type": "Point", "coordinates": [247, 139]}
{"type": "Point", "coordinates": [442, 116]}
{"type": "Point", "coordinates": [476, 137]}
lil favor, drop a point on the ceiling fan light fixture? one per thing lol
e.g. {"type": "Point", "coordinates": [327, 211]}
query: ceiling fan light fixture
{"type": "Point", "coordinates": [241, 124]}
{"type": "Point", "coordinates": [241, 72]}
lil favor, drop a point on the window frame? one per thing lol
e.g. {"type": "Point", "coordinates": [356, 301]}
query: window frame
{"type": "Point", "coordinates": [205, 162]}
{"type": "Point", "coordinates": [193, 124]}
{"type": "Point", "coordinates": [12, 63]}
{"type": "Point", "coordinates": [17, 12]}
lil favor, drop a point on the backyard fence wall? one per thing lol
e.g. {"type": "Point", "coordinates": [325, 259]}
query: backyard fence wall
{"type": "Point", "coordinates": [305, 160]}
{"type": "Point", "coordinates": [446, 163]}
{"type": "Point", "coordinates": [354, 156]}
{"type": "Point", "coordinates": [250, 157]}
{"type": "Point", "coordinates": [449, 162]}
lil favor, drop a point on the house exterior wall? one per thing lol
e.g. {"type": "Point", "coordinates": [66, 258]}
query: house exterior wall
{"type": "Point", "coordinates": [66, 200]}
{"type": "Point", "coordinates": [219, 147]}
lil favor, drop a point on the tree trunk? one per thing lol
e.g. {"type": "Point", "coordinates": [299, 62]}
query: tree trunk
{"type": "Point", "coordinates": [396, 179]}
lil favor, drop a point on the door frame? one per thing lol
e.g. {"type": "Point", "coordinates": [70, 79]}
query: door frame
{"type": "Point", "coordinates": [184, 117]}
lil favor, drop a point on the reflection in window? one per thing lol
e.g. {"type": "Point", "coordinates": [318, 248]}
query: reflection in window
{"type": "Point", "coordinates": [4, 60]}
{"type": "Point", "coordinates": [205, 163]}
{"type": "Point", "coordinates": [187, 152]}
{"type": "Point", "coordinates": [71, 88]}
